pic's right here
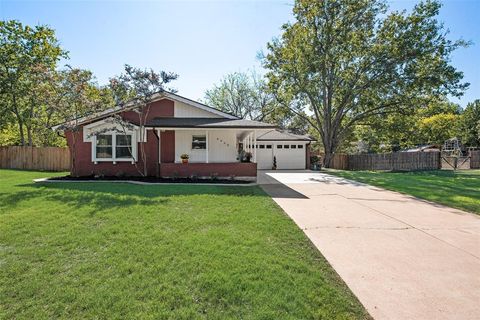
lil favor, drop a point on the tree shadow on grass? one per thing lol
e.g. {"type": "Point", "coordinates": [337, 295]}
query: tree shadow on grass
{"type": "Point", "coordinates": [95, 201]}
{"type": "Point", "coordinates": [107, 196]}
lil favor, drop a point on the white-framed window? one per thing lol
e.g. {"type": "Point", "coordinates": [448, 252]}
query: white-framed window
{"type": "Point", "coordinates": [199, 142]}
{"type": "Point", "coordinates": [114, 147]}
{"type": "Point", "coordinates": [104, 146]}
{"type": "Point", "coordinates": [123, 146]}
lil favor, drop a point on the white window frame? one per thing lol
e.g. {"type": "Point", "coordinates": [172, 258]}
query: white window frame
{"type": "Point", "coordinates": [206, 143]}
{"type": "Point", "coordinates": [114, 159]}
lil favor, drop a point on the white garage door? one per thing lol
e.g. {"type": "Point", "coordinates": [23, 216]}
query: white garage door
{"type": "Point", "coordinates": [289, 155]}
{"type": "Point", "coordinates": [265, 156]}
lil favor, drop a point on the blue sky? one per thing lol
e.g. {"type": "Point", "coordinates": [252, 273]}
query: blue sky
{"type": "Point", "coordinates": [199, 40]}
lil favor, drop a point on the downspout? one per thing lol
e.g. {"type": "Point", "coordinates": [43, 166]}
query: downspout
{"type": "Point", "coordinates": [157, 170]}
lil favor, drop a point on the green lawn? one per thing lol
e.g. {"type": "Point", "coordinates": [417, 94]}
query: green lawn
{"type": "Point", "coordinates": [123, 251]}
{"type": "Point", "coordinates": [459, 189]}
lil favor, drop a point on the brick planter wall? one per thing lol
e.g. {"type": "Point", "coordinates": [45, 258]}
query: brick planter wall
{"type": "Point", "coordinates": [208, 169]}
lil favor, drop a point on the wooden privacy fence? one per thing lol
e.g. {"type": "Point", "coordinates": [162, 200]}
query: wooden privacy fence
{"type": "Point", "coordinates": [35, 158]}
{"type": "Point", "coordinates": [397, 161]}
{"type": "Point", "coordinates": [475, 159]}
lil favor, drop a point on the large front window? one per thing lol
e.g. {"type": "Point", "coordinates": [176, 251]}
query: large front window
{"type": "Point", "coordinates": [115, 146]}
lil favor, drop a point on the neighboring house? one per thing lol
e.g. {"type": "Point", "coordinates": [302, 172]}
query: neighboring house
{"type": "Point", "coordinates": [214, 140]}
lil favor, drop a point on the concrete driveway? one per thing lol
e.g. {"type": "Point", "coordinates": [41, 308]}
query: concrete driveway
{"type": "Point", "coordinates": [404, 258]}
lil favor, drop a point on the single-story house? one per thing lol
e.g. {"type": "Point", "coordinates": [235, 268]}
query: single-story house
{"type": "Point", "coordinates": [216, 142]}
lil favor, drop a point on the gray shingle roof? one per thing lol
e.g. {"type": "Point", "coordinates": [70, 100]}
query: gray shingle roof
{"type": "Point", "coordinates": [206, 123]}
{"type": "Point", "coordinates": [277, 135]}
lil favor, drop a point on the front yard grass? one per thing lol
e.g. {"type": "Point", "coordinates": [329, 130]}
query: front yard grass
{"type": "Point", "coordinates": [457, 189]}
{"type": "Point", "coordinates": [123, 251]}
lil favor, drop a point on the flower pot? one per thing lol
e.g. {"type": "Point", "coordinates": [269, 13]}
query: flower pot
{"type": "Point", "coordinates": [184, 160]}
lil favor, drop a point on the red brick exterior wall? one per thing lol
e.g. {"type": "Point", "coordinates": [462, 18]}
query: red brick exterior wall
{"type": "Point", "coordinates": [167, 146]}
{"type": "Point", "coordinates": [158, 109]}
{"type": "Point", "coordinates": [238, 169]}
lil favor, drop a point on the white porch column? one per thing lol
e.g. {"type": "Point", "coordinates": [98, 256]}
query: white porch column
{"type": "Point", "coordinates": [250, 140]}
{"type": "Point", "coordinates": [206, 142]}
{"type": "Point", "coordinates": [255, 146]}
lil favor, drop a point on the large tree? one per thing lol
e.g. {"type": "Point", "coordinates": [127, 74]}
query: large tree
{"type": "Point", "coordinates": [345, 61]}
{"type": "Point", "coordinates": [243, 94]}
{"type": "Point", "coordinates": [26, 54]}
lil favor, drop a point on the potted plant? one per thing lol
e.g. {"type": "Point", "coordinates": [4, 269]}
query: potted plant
{"type": "Point", "coordinates": [184, 158]}
{"type": "Point", "coordinates": [248, 156]}
{"type": "Point", "coordinates": [315, 162]}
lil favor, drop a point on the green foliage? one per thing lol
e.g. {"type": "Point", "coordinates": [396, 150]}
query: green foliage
{"type": "Point", "coordinates": [26, 55]}
{"type": "Point", "coordinates": [34, 94]}
{"type": "Point", "coordinates": [429, 123]}
{"type": "Point", "coordinates": [123, 251]}
{"type": "Point", "coordinates": [438, 128]}
{"type": "Point", "coordinates": [470, 125]}
{"type": "Point", "coordinates": [348, 61]}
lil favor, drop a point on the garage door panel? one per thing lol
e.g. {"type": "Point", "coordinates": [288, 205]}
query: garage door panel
{"type": "Point", "coordinates": [264, 159]}
{"type": "Point", "coordinates": [290, 158]}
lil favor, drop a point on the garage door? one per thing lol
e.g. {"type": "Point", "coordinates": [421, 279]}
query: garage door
{"type": "Point", "coordinates": [290, 156]}
{"type": "Point", "coordinates": [264, 156]}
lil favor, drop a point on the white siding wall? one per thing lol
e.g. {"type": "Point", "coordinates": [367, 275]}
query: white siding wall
{"type": "Point", "coordinates": [182, 110]}
{"type": "Point", "coordinates": [221, 145]}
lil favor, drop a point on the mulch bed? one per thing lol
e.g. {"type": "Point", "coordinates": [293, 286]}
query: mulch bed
{"type": "Point", "coordinates": [152, 179]}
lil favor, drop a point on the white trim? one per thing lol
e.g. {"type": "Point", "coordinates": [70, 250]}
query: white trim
{"type": "Point", "coordinates": [114, 159]}
{"type": "Point", "coordinates": [86, 128]}
{"type": "Point", "coordinates": [159, 134]}
{"type": "Point", "coordinates": [255, 146]}
{"type": "Point", "coordinates": [206, 146]}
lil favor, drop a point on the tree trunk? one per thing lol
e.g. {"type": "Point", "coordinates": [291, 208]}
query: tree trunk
{"type": "Point", "coordinates": [327, 159]}
{"type": "Point", "coordinates": [73, 152]}
{"type": "Point", "coordinates": [329, 146]}
{"type": "Point", "coordinates": [29, 136]}
{"type": "Point", "coordinates": [22, 135]}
